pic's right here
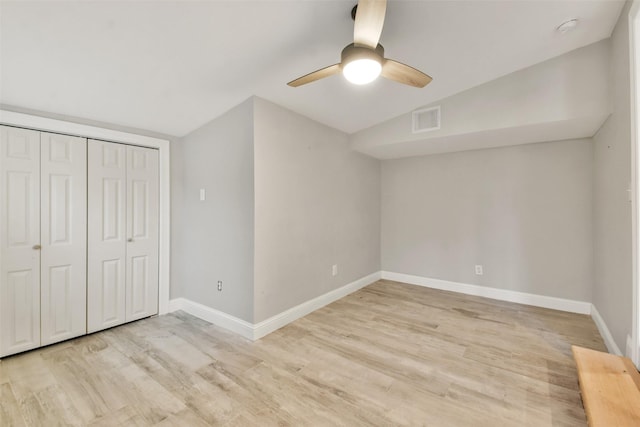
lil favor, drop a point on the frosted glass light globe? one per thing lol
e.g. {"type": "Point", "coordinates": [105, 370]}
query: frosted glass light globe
{"type": "Point", "coordinates": [362, 71]}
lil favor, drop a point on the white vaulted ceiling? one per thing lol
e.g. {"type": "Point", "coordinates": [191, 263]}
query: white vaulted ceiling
{"type": "Point", "coordinates": [171, 66]}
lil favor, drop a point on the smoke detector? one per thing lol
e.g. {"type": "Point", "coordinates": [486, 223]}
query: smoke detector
{"type": "Point", "coordinates": [567, 26]}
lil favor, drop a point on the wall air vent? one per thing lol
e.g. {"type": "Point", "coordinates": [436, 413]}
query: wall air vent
{"type": "Point", "coordinates": [426, 119]}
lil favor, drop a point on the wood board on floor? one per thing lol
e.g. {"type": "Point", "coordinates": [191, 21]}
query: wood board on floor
{"type": "Point", "coordinates": [609, 385]}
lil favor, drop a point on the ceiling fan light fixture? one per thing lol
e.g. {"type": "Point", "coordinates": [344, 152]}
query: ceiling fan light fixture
{"type": "Point", "coordinates": [362, 71]}
{"type": "Point", "coordinates": [363, 60]}
{"type": "Point", "coordinates": [360, 64]}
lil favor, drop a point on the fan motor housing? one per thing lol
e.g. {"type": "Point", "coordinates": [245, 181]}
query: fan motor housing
{"type": "Point", "coordinates": [352, 52]}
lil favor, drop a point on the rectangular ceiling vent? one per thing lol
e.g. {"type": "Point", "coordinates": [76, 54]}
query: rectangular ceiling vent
{"type": "Point", "coordinates": [426, 119]}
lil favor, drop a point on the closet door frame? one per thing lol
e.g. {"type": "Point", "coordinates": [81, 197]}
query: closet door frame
{"type": "Point", "coordinates": [11, 118]}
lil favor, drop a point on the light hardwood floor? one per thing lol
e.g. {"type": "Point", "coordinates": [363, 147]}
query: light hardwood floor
{"type": "Point", "coordinates": [389, 354]}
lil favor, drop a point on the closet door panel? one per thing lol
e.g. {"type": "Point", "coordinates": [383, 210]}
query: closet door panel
{"type": "Point", "coordinates": [64, 237]}
{"type": "Point", "coordinates": [19, 240]}
{"type": "Point", "coordinates": [142, 232]}
{"type": "Point", "coordinates": [107, 181]}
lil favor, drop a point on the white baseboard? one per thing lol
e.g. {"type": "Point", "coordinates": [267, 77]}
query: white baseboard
{"type": "Point", "coordinates": [604, 331]}
{"type": "Point", "coordinates": [211, 315]}
{"type": "Point", "coordinates": [279, 320]}
{"type": "Point", "coordinates": [261, 329]}
{"type": "Point", "coordinates": [572, 306]}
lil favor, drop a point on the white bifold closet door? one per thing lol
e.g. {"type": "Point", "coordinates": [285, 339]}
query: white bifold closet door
{"type": "Point", "coordinates": [123, 234]}
{"type": "Point", "coordinates": [42, 238]}
{"type": "Point", "coordinates": [142, 231]}
{"type": "Point", "coordinates": [63, 213]}
{"type": "Point", "coordinates": [19, 240]}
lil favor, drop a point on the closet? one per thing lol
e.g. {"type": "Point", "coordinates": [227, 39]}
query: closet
{"type": "Point", "coordinates": [78, 236]}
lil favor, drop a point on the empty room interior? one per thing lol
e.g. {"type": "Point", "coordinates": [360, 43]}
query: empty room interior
{"type": "Point", "coordinates": [319, 213]}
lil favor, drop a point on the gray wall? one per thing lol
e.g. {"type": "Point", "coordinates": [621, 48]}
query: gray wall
{"type": "Point", "coordinates": [523, 212]}
{"type": "Point", "coordinates": [612, 211]}
{"type": "Point", "coordinates": [317, 203]}
{"type": "Point", "coordinates": [213, 240]}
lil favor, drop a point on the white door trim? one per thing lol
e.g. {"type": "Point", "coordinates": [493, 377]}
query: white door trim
{"type": "Point", "coordinates": [634, 65]}
{"type": "Point", "coordinates": [11, 118]}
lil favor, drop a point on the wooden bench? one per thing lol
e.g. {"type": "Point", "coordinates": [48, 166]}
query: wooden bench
{"type": "Point", "coordinates": [610, 387]}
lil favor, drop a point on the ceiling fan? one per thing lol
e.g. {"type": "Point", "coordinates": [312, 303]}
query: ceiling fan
{"type": "Point", "coordinates": [363, 60]}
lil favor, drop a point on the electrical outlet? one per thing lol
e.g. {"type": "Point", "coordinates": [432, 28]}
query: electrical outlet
{"type": "Point", "coordinates": [220, 285]}
{"type": "Point", "coordinates": [479, 270]}
{"type": "Point", "coordinates": [334, 270]}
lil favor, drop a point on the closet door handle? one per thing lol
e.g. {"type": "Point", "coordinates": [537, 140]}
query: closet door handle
{"type": "Point", "coordinates": [37, 247]}
{"type": "Point", "coordinates": [130, 239]}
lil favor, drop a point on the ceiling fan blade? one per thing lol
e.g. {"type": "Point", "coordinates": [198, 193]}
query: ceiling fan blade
{"type": "Point", "coordinates": [401, 73]}
{"type": "Point", "coordinates": [369, 21]}
{"type": "Point", "coordinates": [316, 75]}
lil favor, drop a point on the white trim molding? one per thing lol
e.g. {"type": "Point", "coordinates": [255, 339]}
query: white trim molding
{"type": "Point", "coordinates": [256, 331]}
{"type": "Point", "coordinates": [279, 320]}
{"type": "Point", "coordinates": [604, 331]}
{"type": "Point", "coordinates": [211, 315]}
{"type": "Point", "coordinates": [46, 124]}
{"type": "Point", "coordinates": [634, 68]}
{"type": "Point", "coordinates": [572, 306]}
{"type": "Point", "coordinates": [12, 118]}
{"type": "Point", "coordinates": [554, 303]}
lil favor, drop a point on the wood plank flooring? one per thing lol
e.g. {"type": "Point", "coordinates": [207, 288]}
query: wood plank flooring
{"type": "Point", "coordinates": [390, 354]}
